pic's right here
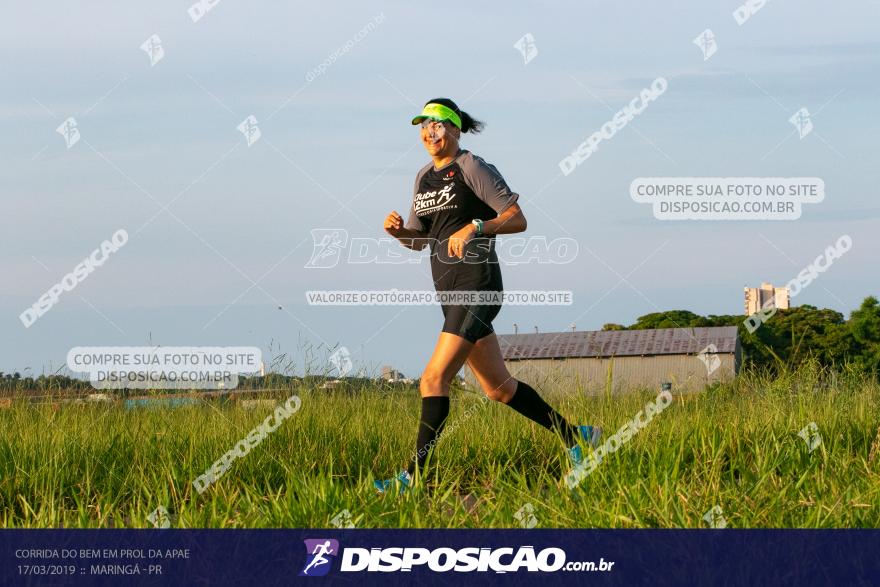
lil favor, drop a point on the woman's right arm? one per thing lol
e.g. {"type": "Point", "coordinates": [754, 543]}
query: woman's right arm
{"type": "Point", "coordinates": [411, 239]}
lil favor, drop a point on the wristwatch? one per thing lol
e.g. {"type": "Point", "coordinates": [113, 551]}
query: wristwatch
{"type": "Point", "coordinates": [479, 224]}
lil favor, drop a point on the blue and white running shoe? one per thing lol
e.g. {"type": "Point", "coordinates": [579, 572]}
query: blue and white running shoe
{"type": "Point", "coordinates": [404, 479]}
{"type": "Point", "coordinates": [591, 436]}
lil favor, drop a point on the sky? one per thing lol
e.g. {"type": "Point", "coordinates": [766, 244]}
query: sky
{"type": "Point", "coordinates": [220, 231]}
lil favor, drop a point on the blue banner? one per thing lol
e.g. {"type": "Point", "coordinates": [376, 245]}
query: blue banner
{"type": "Point", "coordinates": [440, 557]}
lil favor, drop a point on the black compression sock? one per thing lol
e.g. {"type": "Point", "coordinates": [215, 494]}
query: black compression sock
{"type": "Point", "coordinates": [434, 412]}
{"type": "Point", "coordinates": [527, 402]}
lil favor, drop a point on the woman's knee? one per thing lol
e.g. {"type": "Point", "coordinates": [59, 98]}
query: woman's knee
{"type": "Point", "coordinates": [502, 392]}
{"type": "Point", "coordinates": [434, 382]}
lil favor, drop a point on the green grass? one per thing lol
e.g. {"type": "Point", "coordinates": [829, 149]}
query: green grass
{"type": "Point", "coordinates": [735, 446]}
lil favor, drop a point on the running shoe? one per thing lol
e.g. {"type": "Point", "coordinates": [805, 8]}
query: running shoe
{"type": "Point", "coordinates": [591, 436]}
{"type": "Point", "coordinates": [404, 479]}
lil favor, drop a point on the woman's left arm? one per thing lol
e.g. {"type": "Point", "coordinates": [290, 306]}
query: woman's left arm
{"type": "Point", "coordinates": [510, 221]}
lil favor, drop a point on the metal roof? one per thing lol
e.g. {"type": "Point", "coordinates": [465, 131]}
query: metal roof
{"type": "Point", "coordinates": [617, 343]}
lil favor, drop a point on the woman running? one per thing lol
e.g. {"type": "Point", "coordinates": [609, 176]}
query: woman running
{"type": "Point", "coordinates": [460, 202]}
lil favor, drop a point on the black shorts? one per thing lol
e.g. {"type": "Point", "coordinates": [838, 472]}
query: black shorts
{"type": "Point", "coordinates": [471, 322]}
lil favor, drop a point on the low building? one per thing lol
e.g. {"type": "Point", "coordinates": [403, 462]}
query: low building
{"type": "Point", "coordinates": [616, 361]}
{"type": "Point", "coordinates": [393, 375]}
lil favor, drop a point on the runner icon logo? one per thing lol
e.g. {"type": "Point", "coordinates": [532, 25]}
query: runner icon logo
{"type": "Point", "coordinates": [320, 553]}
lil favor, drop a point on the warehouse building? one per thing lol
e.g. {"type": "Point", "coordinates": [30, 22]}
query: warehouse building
{"type": "Point", "coordinates": [617, 361]}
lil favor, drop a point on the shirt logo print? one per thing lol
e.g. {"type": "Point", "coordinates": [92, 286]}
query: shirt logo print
{"type": "Point", "coordinates": [433, 201]}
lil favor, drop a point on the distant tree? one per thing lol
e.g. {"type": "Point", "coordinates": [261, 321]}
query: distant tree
{"type": "Point", "coordinates": [724, 320]}
{"type": "Point", "coordinates": [806, 331]}
{"type": "Point", "coordinates": [669, 319]}
{"type": "Point", "coordinates": [613, 326]}
{"type": "Point", "coordinates": [864, 326]}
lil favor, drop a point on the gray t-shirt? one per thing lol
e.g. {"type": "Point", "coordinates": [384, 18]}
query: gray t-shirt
{"type": "Point", "coordinates": [445, 200]}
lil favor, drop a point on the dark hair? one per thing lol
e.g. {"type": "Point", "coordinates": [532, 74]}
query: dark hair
{"type": "Point", "coordinates": [468, 123]}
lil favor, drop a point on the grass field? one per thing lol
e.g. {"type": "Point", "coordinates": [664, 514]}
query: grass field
{"type": "Point", "coordinates": [735, 447]}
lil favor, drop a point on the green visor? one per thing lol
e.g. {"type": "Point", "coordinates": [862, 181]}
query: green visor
{"type": "Point", "coordinates": [438, 112]}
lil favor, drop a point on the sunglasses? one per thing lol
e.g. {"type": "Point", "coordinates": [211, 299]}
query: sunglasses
{"type": "Point", "coordinates": [433, 125]}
